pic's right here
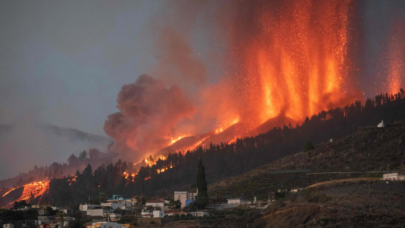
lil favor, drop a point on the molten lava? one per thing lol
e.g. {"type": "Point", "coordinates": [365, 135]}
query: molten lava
{"type": "Point", "coordinates": [36, 189]}
{"type": "Point", "coordinates": [172, 141]}
{"type": "Point", "coordinates": [294, 63]}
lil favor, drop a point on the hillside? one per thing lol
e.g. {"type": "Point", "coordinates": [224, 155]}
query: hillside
{"type": "Point", "coordinates": [367, 152]}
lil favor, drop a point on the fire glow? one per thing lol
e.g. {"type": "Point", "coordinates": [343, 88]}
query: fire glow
{"type": "Point", "coordinates": [288, 60]}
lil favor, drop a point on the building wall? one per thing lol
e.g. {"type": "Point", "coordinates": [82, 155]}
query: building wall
{"type": "Point", "coordinates": [393, 176]}
{"type": "Point", "coordinates": [182, 196]}
{"type": "Point", "coordinates": [149, 204]}
{"type": "Point", "coordinates": [96, 212]}
{"type": "Point", "coordinates": [85, 207]}
{"type": "Point", "coordinates": [234, 201]}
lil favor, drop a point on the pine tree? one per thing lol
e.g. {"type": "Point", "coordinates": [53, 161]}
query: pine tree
{"type": "Point", "coordinates": [202, 196]}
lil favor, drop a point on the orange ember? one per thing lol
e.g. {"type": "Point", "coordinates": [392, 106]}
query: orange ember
{"type": "Point", "coordinates": [396, 58]}
{"type": "Point", "coordinates": [293, 63]}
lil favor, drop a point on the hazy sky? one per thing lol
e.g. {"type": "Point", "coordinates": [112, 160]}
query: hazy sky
{"type": "Point", "coordinates": [63, 62]}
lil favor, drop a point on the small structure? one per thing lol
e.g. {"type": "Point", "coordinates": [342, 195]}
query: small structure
{"type": "Point", "coordinates": [381, 124]}
{"type": "Point", "coordinates": [185, 197]}
{"type": "Point", "coordinates": [152, 212]}
{"type": "Point", "coordinates": [8, 225]}
{"type": "Point", "coordinates": [158, 213]}
{"type": "Point", "coordinates": [295, 190]}
{"type": "Point", "coordinates": [162, 204]}
{"type": "Point", "coordinates": [99, 212]}
{"type": "Point", "coordinates": [331, 140]}
{"type": "Point", "coordinates": [85, 207]}
{"type": "Point", "coordinates": [199, 213]}
{"type": "Point", "coordinates": [43, 212]}
{"type": "Point", "coordinates": [238, 201]}
{"type": "Point", "coordinates": [117, 204]}
{"type": "Point", "coordinates": [393, 177]}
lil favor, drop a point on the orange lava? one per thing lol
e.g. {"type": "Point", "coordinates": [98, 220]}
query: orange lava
{"type": "Point", "coordinates": [295, 63]}
{"type": "Point", "coordinates": [172, 141]}
{"type": "Point", "coordinates": [36, 189]}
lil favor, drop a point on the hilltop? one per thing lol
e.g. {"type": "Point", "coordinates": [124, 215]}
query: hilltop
{"type": "Point", "coordinates": [370, 151]}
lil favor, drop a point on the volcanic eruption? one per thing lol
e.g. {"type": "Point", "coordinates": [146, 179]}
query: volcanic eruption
{"type": "Point", "coordinates": [284, 61]}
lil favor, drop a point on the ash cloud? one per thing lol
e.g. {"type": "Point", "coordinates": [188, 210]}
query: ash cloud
{"type": "Point", "coordinates": [148, 117]}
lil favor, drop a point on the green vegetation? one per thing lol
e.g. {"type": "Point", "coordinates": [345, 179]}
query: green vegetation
{"type": "Point", "coordinates": [309, 146]}
{"type": "Point", "coordinates": [202, 196]}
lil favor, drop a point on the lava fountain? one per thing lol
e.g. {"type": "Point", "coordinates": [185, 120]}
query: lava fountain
{"type": "Point", "coordinates": [292, 60]}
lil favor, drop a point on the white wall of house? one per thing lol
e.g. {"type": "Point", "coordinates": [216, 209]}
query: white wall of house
{"type": "Point", "coordinates": [8, 225]}
{"type": "Point", "coordinates": [234, 201]}
{"type": "Point", "coordinates": [158, 214]}
{"type": "Point", "coordinates": [122, 205]}
{"type": "Point", "coordinates": [155, 204]}
{"type": "Point", "coordinates": [393, 176]}
{"type": "Point", "coordinates": [85, 207]}
{"type": "Point", "coordinates": [97, 212]}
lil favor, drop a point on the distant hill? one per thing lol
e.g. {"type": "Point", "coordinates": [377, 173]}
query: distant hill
{"type": "Point", "coordinates": [60, 143]}
{"type": "Point", "coordinates": [74, 134]}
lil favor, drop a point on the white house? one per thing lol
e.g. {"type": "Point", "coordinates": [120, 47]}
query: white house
{"type": "Point", "coordinates": [9, 225]}
{"type": "Point", "coordinates": [393, 177]}
{"type": "Point", "coordinates": [295, 190]}
{"type": "Point", "coordinates": [114, 205]}
{"type": "Point", "coordinates": [238, 201]}
{"type": "Point", "coordinates": [147, 212]}
{"type": "Point", "coordinates": [158, 213]}
{"type": "Point", "coordinates": [162, 204]}
{"type": "Point", "coordinates": [381, 124]}
{"type": "Point", "coordinates": [85, 207]}
{"type": "Point", "coordinates": [155, 203]}
{"type": "Point", "coordinates": [101, 212]}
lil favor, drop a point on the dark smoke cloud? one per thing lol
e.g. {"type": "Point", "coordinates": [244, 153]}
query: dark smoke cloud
{"type": "Point", "coordinates": [149, 113]}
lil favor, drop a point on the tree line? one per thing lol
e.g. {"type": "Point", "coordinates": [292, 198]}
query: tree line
{"type": "Point", "coordinates": [225, 160]}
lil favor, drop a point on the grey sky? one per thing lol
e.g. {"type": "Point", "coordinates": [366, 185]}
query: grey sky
{"type": "Point", "coordinates": [63, 62]}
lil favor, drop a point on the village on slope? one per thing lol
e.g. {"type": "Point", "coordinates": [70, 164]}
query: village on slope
{"type": "Point", "coordinates": [301, 190]}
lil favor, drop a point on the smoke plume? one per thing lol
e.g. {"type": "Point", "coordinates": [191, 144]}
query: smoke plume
{"type": "Point", "coordinates": [148, 116]}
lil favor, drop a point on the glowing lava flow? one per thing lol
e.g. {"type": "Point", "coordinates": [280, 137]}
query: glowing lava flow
{"type": "Point", "coordinates": [31, 190]}
{"type": "Point", "coordinates": [172, 141]}
{"type": "Point", "coordinates": [9, 192]}
{"type": "Point", "coordinates": [36, 189]}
